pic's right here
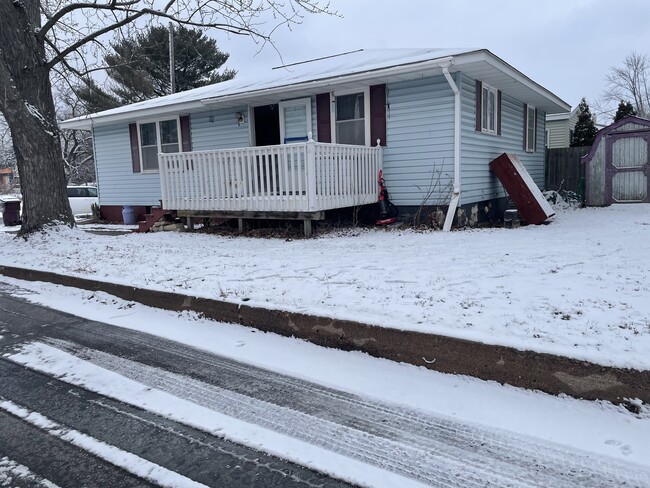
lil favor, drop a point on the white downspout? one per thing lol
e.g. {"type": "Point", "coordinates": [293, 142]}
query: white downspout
{"type": "Point", "coordinates": [455, 197]}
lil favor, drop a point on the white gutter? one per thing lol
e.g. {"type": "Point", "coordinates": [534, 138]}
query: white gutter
{"type": "Point", "coordinates": [455, 197]}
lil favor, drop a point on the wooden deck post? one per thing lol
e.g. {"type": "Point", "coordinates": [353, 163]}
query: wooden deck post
{"type": "Point", "coordinates": [307, 227]}
{"type": "Point", "coordinates": [311, 176]}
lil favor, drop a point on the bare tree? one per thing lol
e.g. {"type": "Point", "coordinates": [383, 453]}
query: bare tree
{"type": "Point", "coordinates": [631, 82]}
{"type": "Point", "coordinates": [7, 156]}
{"type": "Point", "coordinates": [76, 145]}
{"type": "Point", "coordinates": [39, 37]}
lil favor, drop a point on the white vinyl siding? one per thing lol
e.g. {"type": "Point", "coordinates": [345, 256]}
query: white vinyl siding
{"type": "Point", "coordinates": [219, 129]}
{"type": "Point", "coordinates": [420, 134]}
{"type": "Point", "coordinates": [558, 133]}
{"type": "Point", "coordinates": [117, 183]}
{"type": "Point", "coordinates": [478, 183]}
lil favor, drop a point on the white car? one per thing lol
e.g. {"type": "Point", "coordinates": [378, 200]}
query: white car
{"type": "Point", "coordinates": [82, 198]}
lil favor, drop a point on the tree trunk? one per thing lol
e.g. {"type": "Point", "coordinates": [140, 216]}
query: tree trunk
{"type": "Point", "coordinates": [28, 107]}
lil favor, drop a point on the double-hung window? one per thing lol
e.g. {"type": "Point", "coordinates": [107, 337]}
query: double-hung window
{"type": "Point", "coordinates": [489, 109]}
{"type": "Point", "coordinates": [352, 118]}
{"type": "Point", "coordinates": [530, 128]}
{"type": "Point", "coordinates": [156, 137]}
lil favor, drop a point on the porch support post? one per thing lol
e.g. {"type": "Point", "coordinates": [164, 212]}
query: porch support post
{"type": "Point", "coordinates": [240, 223]}
{"type": "Point", "coordinates": [307, 227]}
{"type": "Point", "coordinates": [311, 174]}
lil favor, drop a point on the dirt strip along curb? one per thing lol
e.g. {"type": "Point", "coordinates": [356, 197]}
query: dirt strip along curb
{"type": "Point", "coordinates": [526, 369]}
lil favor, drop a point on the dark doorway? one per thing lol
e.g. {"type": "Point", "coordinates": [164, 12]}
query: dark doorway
{"type": "Point", "coordinates": [267, 125]}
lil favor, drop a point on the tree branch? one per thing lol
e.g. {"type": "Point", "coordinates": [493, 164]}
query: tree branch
{"type": "Point", "coordinates": [56, 17]}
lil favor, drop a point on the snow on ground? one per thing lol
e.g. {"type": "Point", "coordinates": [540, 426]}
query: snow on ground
{"type": "Point", "coordinates": [597, 427]}
{"type": "Point", "coordinates": [577, 287]}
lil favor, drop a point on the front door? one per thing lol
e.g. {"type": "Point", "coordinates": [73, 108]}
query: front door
{"type": "Point", "coordinates": [627, 156]}
{"type": "Point", "coordinates": [295, 120]}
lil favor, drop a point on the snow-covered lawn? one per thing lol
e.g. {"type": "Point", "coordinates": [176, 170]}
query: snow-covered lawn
{"type": "Point", "coordinates": [579, 286]}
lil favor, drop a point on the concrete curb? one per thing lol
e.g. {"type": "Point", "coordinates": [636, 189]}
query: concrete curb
{"type": "Point", "coordinates": [526, 369]}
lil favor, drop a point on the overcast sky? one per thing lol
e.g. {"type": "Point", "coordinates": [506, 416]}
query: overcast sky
{"type": "Point", "coordinates": [567, 46]}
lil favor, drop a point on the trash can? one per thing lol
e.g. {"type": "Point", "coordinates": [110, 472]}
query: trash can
{"type": "Point", "coordinates": [128, 215]}
{"type": "Point", "coordinates": [11, 212]}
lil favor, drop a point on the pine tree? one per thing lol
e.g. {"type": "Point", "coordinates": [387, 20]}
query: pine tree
{"type": "Point", "coordinates": [625, 109]}
{"type": "Point", "coordinates": [138, 67]}
{"type": "Point", "coordinates": [585, 129]}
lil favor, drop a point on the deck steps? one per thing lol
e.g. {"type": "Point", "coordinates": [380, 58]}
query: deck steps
{"type": "Point", "coordinates": [151, 218]}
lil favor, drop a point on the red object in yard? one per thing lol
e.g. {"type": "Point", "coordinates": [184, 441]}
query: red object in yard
{"type": "Point", "coordinates": [529, 200]}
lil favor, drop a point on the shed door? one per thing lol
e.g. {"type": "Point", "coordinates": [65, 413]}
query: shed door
{"type": "Point", "coordinates": [627, 167]}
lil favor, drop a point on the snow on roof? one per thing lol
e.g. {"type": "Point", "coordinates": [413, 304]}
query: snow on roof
{"type": "Point", "coordinates": [301, 74]}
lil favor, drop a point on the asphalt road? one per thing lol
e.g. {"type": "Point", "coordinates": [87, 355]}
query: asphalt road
{"type": "Point", "coordinates": [45, 421]}
{"type": "Point", "coordinates": [194, 454]}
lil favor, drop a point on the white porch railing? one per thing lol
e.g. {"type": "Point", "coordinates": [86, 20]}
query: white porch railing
{"type": "Point", "coordinates": [306, 177]}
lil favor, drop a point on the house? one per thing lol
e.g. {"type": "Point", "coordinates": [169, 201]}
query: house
{"type": "Point", "coordinates": [312, 136]}
{"type": "Point", "coordinates": [617, 166]}
{"type": "Point", "coordinates": [560, 127]}
{"type": "Point", "coordinates": [6, 175]}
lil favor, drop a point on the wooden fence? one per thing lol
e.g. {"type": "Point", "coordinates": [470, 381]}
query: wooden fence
{"type": "Point", "coordinates": [563, 169]}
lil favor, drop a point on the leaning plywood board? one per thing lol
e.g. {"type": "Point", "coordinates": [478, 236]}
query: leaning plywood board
{"type": "Point", "coordinates": [530, 202]}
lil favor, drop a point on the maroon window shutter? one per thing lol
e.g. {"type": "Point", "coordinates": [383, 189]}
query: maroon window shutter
{"type": "Point", "coordinates": [525, 124]}
{"type": "Point", "coordinates": [479, 104]}
{"type": "Point", "coordinates": [135, 148]}
{"type": "Point", "coordinates": [323, 117]}
{"type": "Point", "coordinates": [186, 133]}
{"type": "Point", "coordinates": [499, 112]}
{"type": "Point", "coordinates": [378, 114]}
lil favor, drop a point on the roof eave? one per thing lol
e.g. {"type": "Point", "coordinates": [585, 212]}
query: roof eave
{"type": "Point", "coordinates": [512, 72]}
{"type": "Point", "coordinates": [88, 122]}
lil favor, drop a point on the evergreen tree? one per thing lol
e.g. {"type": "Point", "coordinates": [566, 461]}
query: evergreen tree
{"type": "Point", "coordinates": [585, 129]}
{"type": "Point", "coordinates": [138, 67]}
{"type": "Point", "coordinates": [625, 109]}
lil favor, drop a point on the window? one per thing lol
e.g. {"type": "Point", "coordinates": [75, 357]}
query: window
{"type": "Point", "coordinates": [530, 128]}
{"type": "Point", "coordinates": [489, 109]}
{"type": "Point", "coordinates": [352, 118]}
{"type": "Point", "coordinates": [157, 137]}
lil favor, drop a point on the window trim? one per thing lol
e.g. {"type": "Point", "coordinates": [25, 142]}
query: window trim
{"type": "Point", "coordinates": [366, 112]}
{"type": "Point", "coordinates": [531, 145]}
{"type": "Point", "coordinates": [486, 101]}
{"type": "Point", "coordinates": [158, 139]}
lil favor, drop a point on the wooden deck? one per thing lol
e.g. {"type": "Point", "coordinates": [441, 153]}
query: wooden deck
{"type": "Point", "coordinates": [293, 179]}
